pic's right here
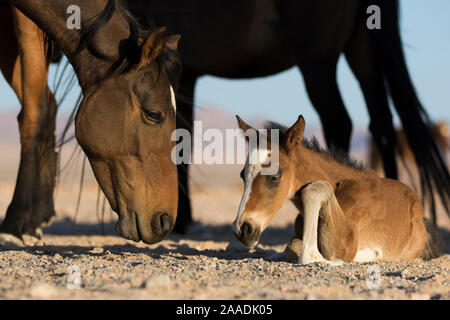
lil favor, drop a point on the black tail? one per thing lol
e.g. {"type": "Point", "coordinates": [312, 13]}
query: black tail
{"type": "Point", "coordinates": [434, 175]}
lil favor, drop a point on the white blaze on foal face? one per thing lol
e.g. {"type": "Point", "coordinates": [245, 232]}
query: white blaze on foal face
{"type": "Point", "coordinates": [253, 167]}
{"type": "Point", "coordinates": [262, 197]}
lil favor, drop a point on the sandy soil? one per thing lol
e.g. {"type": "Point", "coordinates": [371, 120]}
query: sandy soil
{"type": "Point", "coordinates": [206, 263]}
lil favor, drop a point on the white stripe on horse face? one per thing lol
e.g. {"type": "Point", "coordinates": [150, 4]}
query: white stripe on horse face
{"type": "Point", "coordinates": [253, 166]}
{"type": "Point", "coordinates": [172, 98]}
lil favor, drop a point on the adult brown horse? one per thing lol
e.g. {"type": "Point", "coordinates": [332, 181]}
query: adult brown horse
{"type": "Point", "coordinates": [124, 122]}
{"type": "Point", "coordinates": [254, 38]}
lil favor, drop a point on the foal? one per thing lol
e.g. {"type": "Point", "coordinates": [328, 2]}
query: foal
{"type": "Point", "coordinates": [345, 214]}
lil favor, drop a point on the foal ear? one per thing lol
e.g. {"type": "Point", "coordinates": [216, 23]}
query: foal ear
{"type": "Point", "coordinates": [244, 126]}
{"type": "Point", "coordinates": [294, 136]}
{"type": "Point", "coordinates": [154, 45]}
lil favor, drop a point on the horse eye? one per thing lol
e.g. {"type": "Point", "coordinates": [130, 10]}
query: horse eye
{"type": "Point", "coordinates": [153, 115]}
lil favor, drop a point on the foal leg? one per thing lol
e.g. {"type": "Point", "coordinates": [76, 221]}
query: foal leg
{"type": "Point", "coordinates": [185, 106]}
{"type": "Point", "coordinates": [325, 226]}
{"type": "Point", "coordinates": [362, 59]}
{"type": "Point", "coordinates": [32, 204]}
{"type": "Point", "coordinates": [292, 250]}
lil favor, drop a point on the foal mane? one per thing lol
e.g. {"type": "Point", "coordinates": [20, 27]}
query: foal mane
{"type": "Point", "coordinates": [312, 144]}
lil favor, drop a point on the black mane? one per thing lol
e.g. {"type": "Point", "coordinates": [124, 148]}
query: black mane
{"type": "Point", "coordinates": [313, 145]}
{"type": "Point", "coordinates": [168, 62]}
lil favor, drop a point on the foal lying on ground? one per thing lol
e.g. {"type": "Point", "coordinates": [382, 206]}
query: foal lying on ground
{"type": "Point", "coordinates": [345, 214]}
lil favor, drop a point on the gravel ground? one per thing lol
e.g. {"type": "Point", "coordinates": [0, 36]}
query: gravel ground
{"type": "Point", "coordinates": [206, 263]}
{"type": "Point", "coordinates": [190, 267]}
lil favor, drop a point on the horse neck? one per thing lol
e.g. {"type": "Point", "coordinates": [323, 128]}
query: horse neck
{"type": "Point", "coordinates": [310, 166]}
{"type": "Point", "coordinates": [92, 63]}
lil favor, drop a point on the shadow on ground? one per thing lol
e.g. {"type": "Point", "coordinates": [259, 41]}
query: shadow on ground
{"type": "Point", "coordinates": [198, 232]}
{"type": "Point", "coordinates": [177, 251]}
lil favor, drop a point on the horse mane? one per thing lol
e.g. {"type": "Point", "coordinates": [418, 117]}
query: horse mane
{"type": "Point", "coordinates": [168, 61]}
{"type": "Point", "coordinates": [313, 144]}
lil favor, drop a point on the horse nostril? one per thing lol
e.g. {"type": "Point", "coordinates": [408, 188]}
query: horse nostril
{"type": "Point", "coordinates": [246, 230]}
{"type": "Point", "coordinates": [161, 223]}
{"type": "Point", "coordinates": [165, 222]}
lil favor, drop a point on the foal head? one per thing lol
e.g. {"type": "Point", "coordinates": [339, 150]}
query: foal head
{"type": "Point", "coordinates": [124, 125]}
{"type": "Point", "coordinates": [265, 194]}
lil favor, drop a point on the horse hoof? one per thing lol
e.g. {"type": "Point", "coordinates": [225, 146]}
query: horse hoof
{"type": "Point", "coordinates": [8, 241]}
{"type": "Point", "coordinates": [31, 241]}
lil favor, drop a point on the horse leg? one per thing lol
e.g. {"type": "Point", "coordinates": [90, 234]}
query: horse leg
{"type": "Point", "coordinates": [363, 62]}
{"type": "Point", "coordinates": [316, 36]}
{"type": "Point", "coordinates": [32, 203]}
{"type": "Point", "coordinates": [322, 88]}
{"type": "Point", "coordinates": [185, 107]}
{"type": "Point", "coordinates": [325, 226]}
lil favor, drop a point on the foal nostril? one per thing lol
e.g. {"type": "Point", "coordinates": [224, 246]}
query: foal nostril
{"type": "Point", "coordinates": [246, 230]}
{"type": "Point", "coordinates": [161, 223]}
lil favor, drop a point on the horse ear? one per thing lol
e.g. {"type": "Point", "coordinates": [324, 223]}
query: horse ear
{"type": "Point", "coordinates": [172, 41]}
{"type": "Point", "coordinates": [294, 136]}
{"type": "Point", "coordinates": [153, 46]}
{"type": "Point", "coordinates": [244, 126]}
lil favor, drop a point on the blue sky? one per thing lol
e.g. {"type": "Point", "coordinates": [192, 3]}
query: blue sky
{"type": "Point", "coordinates": [425, 27]}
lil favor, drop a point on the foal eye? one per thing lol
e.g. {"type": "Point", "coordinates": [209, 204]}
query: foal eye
{"type": "Point", "coordinates": [153, 115]}
{"type": "Point", "coordinates": [275, 179]}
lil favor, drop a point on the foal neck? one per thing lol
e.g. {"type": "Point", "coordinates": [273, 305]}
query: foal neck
{"type": "Point", "coordinates": [310, 166]}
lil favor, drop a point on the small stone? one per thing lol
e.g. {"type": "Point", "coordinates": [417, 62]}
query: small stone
{"type": "Point", "coordinates": [405, 273]}
{"type": "Point", "coordinates": [97, 250]}
{"type": "Point", "coordinates": [57, 256]}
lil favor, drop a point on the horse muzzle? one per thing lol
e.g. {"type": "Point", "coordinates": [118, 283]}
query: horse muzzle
{"type": "Point", "coordinates": [248, 234]}
{"type": "Point", "coordinates": [131, 226]}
